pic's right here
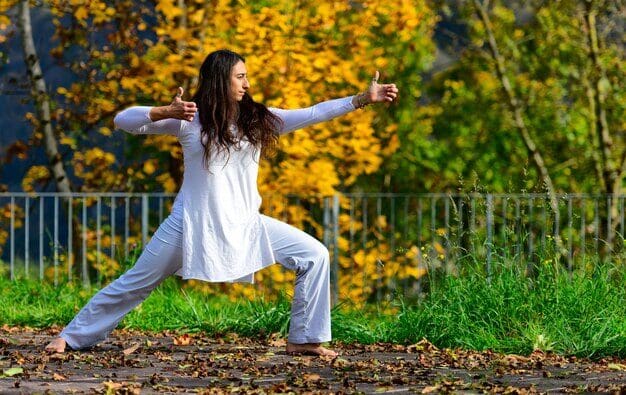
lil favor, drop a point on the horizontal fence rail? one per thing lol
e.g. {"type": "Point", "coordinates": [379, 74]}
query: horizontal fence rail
{"type": "Point", "coordinates": [380, 244]}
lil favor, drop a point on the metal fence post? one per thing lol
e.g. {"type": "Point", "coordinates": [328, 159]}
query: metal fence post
{"type": "Point", "coordinates": [334, 270]}
{"type": "Point", "coordinates": [144, 220]}
{"type": "Point", "coordinates": [27, 237]}
{"type": "Point", "coordinates": [327, 238]}
{"type": "Point", "coordinates": [12, 247]}
{"type": "Point", "coordinates": [85, 270]}
{"type": "Point", "coordinates": [489, 233]}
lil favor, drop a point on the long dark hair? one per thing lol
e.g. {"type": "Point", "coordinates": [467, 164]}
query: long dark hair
{"type": "Point", "coordinates": [217, 110]}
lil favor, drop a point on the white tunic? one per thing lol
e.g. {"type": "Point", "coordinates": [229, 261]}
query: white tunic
{"type": "Point", "coordinates": [223, 236]}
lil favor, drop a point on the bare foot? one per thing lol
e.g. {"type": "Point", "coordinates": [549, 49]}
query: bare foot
{"type": "Point", "coordinates": [56, 346]}
{"type": "Point", "coordinates": [310, 349]}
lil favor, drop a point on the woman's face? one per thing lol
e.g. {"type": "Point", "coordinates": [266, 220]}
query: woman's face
{"type": "Point", "coordinates": [238, 81]}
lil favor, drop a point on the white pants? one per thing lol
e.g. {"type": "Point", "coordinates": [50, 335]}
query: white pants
{"type": "Point", "coordinates": [294, 249]}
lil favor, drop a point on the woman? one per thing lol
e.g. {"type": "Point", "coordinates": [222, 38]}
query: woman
{"type": "Point", "coordinates": [215, 231]}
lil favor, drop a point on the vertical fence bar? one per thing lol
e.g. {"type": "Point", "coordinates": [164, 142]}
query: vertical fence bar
{"type": "Point", "coordinates": [12, 236]}
{"type": "Point", "coordinates": [326, 222]}
{"type": "Point", "coordinates": [472, 224]}
{"type": "Point", "coordinates": [351, 240]}
{"type": "Point", "coordinates": [41, 233]}
{"type": "Point", "coordinates": [570, 241]}
{"type": "Point", "coordinates": [70, 235]}
{"type": "Point", "coordinates": [446, 226]}
{"type": "Point", "coordinates": [433, 220]}
{"type": "Point", "coordinates": [518, 230]}
{"type": "Point", "coordinates": [609, 231]}
{"type": "Point", "coordinates": [531, 233]}
{"type": "Point", "coordinates": [379, 263]}
{"type": "Point", "coordinates": [557, 216]}
{"type": "Point", "coordinates": [113, 227]}
{"type": "Point", "coordinates": [98, 238]}
{"type": "Point", "coordinates": [144, 220]}
{"type": "Point", "coordinates": [583, 231]}
{"type": "Point", "coordinates": [406, 234]}
{"type": "Point", "coordinates": [326, 237]}
{"type": "Point", "coordinates": [392, 230]}
{"type": "Point", "coordinates": [364, 238]}
{"type": "Point", "coordinates": [460, 227]}
{"type": "Point", "coordinates": [419, 225]}
{"type": "Point", "coordinates": [160, 209]}
{"type": "Point", "coordinates": [419, 254]}
{"type": "Point", "coordinates": [544, 224]}
{"type": "Point", "coordinates": [55, 245]}
{"type": "Point", "coordinates": [504, 238]}
{"type": "Point", "coordinates": [126, 225]}
{"type": "Point", "coordinates": [335, 268]}
{"type": "Point", "coordinates": [85, 271]}
{"type": "Point", "coordinates": [27, 237]}
{"type": "Point", "coordinates": [489, 233]}
{"type": "Point", "coordinates": [621, 218]}
{"type": "Point", "coordinates": [596, 221]}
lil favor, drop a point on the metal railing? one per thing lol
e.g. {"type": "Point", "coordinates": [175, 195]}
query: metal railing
{"type": "Point", "coordinates": [61, 237]}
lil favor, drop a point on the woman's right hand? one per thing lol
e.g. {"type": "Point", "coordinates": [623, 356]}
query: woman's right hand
{"type": "Point", "coordinates": [178, 109]}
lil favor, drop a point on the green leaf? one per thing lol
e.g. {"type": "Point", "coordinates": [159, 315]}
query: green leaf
{"type": "Point", "coordinates": [12, 372]}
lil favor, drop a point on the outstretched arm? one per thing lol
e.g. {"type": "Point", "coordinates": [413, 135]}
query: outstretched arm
{"type": "Point", "coordinates": [156, 120]}
{"type": "Point", "coordinates": [324, 111]}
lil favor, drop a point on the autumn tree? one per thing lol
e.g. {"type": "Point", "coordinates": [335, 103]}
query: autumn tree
{"type": "Point", "coordinates": [298, 53]}
{"type": "Point", "coordinates": [480, 114]}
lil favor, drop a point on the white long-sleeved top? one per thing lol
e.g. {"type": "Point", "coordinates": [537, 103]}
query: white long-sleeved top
{"type": "Point", "coordinates": [223, 236]}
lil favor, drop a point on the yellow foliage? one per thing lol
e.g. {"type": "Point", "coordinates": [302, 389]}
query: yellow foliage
{"type": "Point", "coordinates": [149, 166]}
{"type": "Point", "coordinates": [35, 174]}
{"type": "Point", "coordinates": [95, 169]}
{"type": "Point", "coordinates": [6, 212]}
{"type": "Point", "coordinates": [297, 54]}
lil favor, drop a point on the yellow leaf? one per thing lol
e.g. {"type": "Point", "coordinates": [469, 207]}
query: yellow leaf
{"type": "Point", "coordinates": [81, 13]}
{"type": "Point", "coordinates": [148, 167]}
{"type": "Point", "coordinates": [439, 248]}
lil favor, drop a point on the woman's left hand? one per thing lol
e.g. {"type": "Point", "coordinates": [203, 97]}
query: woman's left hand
{"type": "Point", "coordinates": [380, 92]}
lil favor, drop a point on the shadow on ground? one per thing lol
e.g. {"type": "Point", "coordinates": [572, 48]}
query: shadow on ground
{"type": "Point", "coordinates": [136, 362]}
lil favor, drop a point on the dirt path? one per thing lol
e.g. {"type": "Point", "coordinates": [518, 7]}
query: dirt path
{"type": "Point", "coordinates": [134, 362]}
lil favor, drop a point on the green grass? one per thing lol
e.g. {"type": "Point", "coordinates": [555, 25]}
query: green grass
{"type": "Point", "coordinates": [581, 314]}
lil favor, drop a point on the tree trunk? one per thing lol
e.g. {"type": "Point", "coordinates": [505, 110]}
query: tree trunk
{"type": "Point", "coordinates": [42, 104]}
{"type": "Point", "coordinates": [597, 92]}
{"type": "Point", "coordinates": [42, 101]}
{"type": "Point", "coordinates": [517, 111]}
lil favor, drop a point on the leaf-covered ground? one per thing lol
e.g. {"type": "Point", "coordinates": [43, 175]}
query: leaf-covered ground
{"type": "Point", "coordinates": [136, 362]}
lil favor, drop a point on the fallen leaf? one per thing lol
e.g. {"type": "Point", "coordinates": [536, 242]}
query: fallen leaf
{"type": "Point", "coordinates": [617, 366]}
{"type": "Point", "coordinates": [311, 377]}
{"type": "Point", "coordinates": [278, 343]}
{"type": "Point", "coordinates": [182, 340]}
{"type": "Point", "coordinates": [58, 377]}
{"type": "Point", "coordinates": [10, 372]}
{"type": "Point", "coordinates": [430, 389]}
{"type": "Point", "coordinates": [131, 349]}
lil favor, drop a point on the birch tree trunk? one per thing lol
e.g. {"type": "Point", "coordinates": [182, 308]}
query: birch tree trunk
{"type": "Point", "coordinates": [41, 98]}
